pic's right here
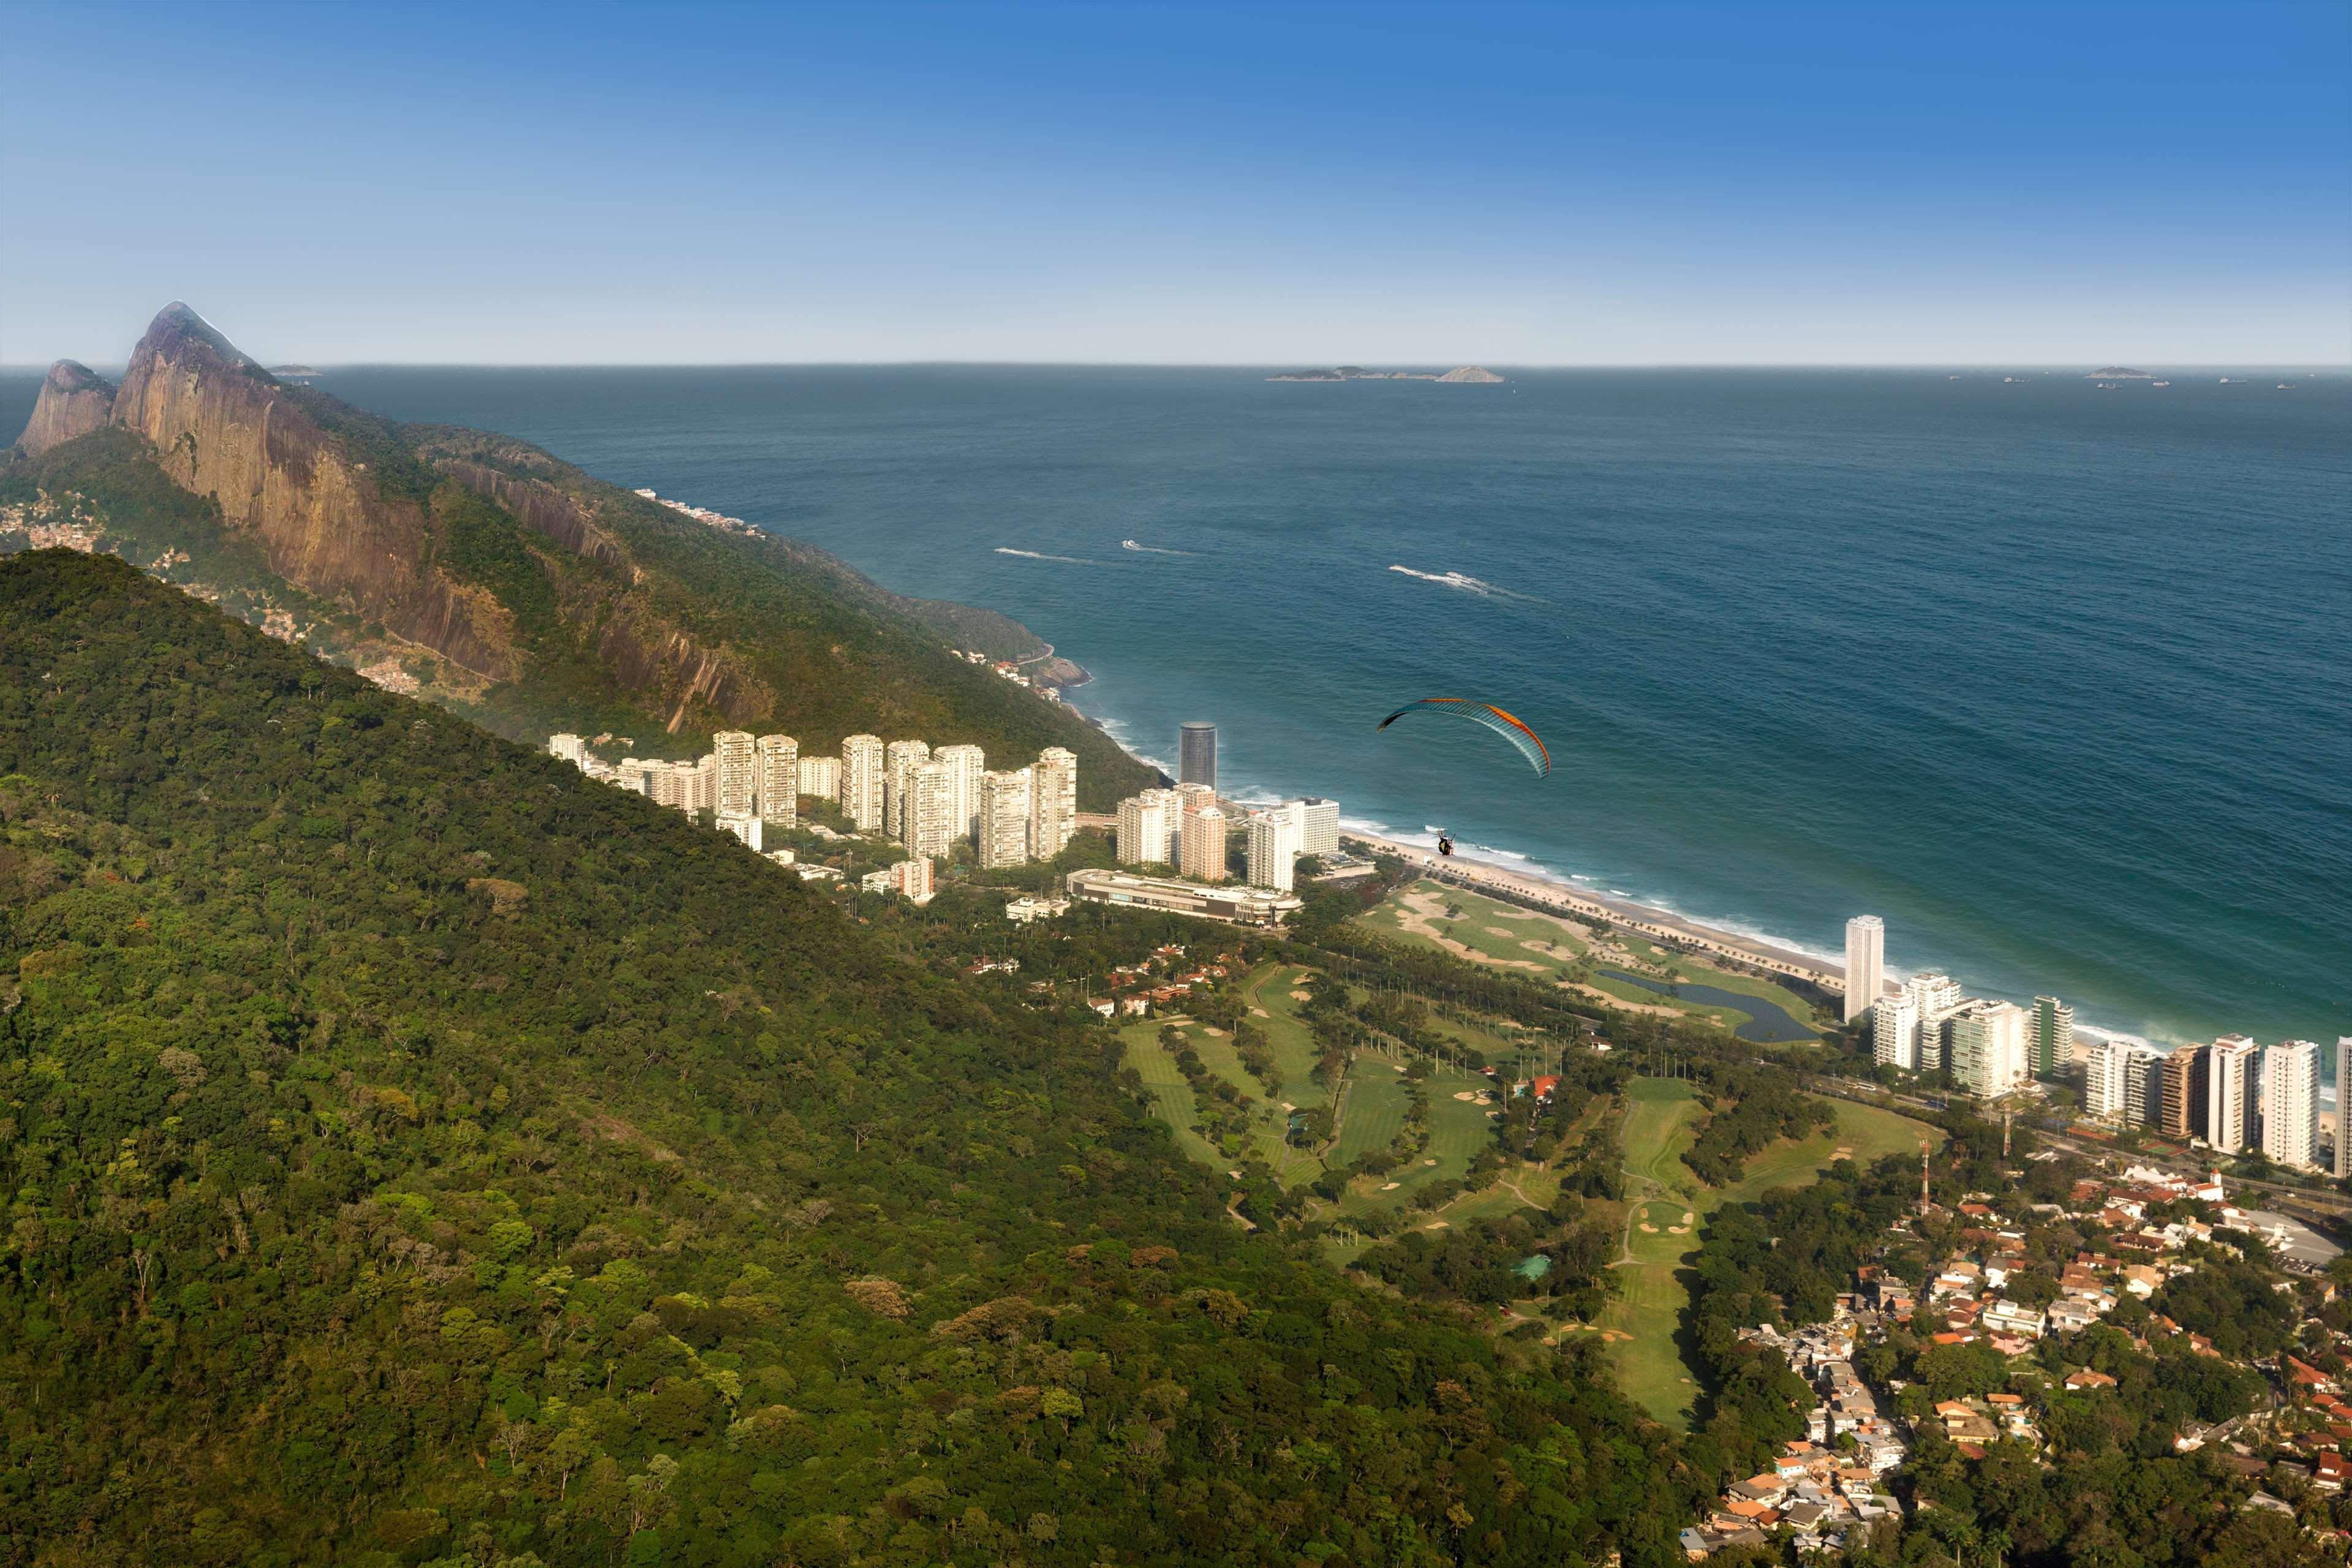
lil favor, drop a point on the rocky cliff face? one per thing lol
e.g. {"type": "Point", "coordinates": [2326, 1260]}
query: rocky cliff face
{"type": "Point", "coordinates": [75, 400]}
{"type": "Point", "coordinates": [224, 426]}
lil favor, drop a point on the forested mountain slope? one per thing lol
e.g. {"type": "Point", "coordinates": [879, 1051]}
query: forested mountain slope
{"type": "Point", "coordinates": [523, 592]}
{"type": "Point", "coordinates": [416, 1153]}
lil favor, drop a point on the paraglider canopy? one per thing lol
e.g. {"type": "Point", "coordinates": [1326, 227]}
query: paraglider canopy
{"type": "Point", "coordinates": [1492, 717]}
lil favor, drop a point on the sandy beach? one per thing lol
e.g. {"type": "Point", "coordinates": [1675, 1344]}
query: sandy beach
{"type": "Point", "coordinates": [1550, 893]}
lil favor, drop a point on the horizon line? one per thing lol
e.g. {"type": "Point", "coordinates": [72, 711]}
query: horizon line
{"type": "Point", "coordinates": [42, 366]}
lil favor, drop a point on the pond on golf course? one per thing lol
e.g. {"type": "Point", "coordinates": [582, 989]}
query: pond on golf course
{"type": "Point", "coordinates": [1767, 1022]}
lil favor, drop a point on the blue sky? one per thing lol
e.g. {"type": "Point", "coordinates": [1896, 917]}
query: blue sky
{"type": "Point", "coordinates": [1525, 184]}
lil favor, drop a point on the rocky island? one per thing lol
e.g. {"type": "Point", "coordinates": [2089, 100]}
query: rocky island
{"type": "Point", "coordinates": [1461, 376]}
{"type": "Point", "coordinates": [2119, 373]}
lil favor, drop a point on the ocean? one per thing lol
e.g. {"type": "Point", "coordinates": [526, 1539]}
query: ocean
{"type": "Point", "coordinates": [2056, 680]}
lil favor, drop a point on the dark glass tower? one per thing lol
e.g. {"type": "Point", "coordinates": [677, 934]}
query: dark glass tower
{"type": "Point", "coordinates": [1196, 755]}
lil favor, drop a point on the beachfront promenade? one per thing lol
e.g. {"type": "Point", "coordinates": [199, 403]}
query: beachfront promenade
{"type": "Point", "coordinates": [1657, 924]}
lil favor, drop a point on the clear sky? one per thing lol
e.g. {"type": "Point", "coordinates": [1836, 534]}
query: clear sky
{"type": "Point", "coordinates": [1522, 185]}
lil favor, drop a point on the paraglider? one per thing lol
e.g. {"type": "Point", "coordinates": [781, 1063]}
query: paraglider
{"type": "Point", "coordinates": [1493, 718]}
{"type": "Point", "coordinates": [1444, 845]}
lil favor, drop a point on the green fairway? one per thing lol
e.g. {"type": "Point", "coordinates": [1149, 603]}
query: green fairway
{"type": "Point", "coordinates": [1266, 993]}
{"type": "Point", "coordinates": [1173, 1103]}
{"type": "Point", "coordinates": [1666, 1207]}
{"type": "Point", "coordinates": [1172, 1097]}
{"type": "Point", "coordinates": [1371, 1108]}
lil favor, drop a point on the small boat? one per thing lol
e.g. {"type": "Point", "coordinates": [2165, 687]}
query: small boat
{"type": "Point", "coordinates": [2159, 384]}
{"type": "Point", "coordinates": [2286, 386]}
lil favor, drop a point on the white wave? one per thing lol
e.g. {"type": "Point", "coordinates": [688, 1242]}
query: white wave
{"type": "Point", "coordinates": [1468, 585]}
{"type": "Point", "coordinates": [1035, 555]}
{"type": "Point", "coordinates": [1152, 549]}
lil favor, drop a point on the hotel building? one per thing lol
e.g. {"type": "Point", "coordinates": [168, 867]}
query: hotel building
{"type": "Point", "coordinates": [1865, 963]}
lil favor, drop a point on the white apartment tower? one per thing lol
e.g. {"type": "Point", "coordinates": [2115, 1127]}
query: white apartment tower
{"type": "Point", "coordinates": [705, 784]}
{"type": "Point", "coordinates": [861, 781]}
{"type": "Point", "coordinates": [2343, 1104]}
{"type": "Point", "coordinates": [1865, 963]}
{"type": "Point", "coordinates": [965, 764]}
{"type": "Point", "coordinates": [1202, 857]}
{"type": "Point", "coordinates": [567, 747]}
{"type": "Point", "coordinates": [937, 821]}
{"type": "Point", "coordinates": [900, 759]}
{"type": "Point", "coordinates": [1907, 1029]}
{"type": "Point", "coordinates": [1273, 849]}
{"type": "Point", "coordinates": [2106, 1081]}
{"type": "Point", "coordinates": [738, 758]}
{"type": "Point", "coordinates": [1985, 1042]}
{"type": "Point", "coordinates": [2229, 1104]}
{"type": "Point", "coordinates": [1005, 818]}
{"type": "Point", "coordinates": [2291, 1103]}
{"type": "Point", "coordinates": [779, 779]}
{"type": "Point", "coordinates": [1319, 825]}
{"type": "Point", "coordinates": [1145, 823]}
{"type": "Point", "coordinates": [1053, 802]}
{"type": "Point", "coordinates": [821, 778]}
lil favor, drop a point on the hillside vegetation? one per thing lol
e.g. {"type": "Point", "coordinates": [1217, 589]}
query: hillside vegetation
{"type": "Point", "coordinates": [416, 1153]}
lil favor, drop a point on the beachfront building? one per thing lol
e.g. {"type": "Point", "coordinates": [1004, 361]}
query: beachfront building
{"type": "Point", "coordinates": [779, 779]}
{"type": "Point", "coordinates": [1005, 818]}
{"type": "Point", "coordinates": [2054, 1036]}
{"type": "Point", "coordinates": [2291, 1103]}
{"type": "Point", "coordinates": [1907, 1029]}
{"type": "Point", "coordinates": [736, 755]}
{"type": "Point", "coordinates": [1146, 821]}
{"type": "Point", "coordinates": [1053, 802]}
{"type": "Point", "coordinates": [2143, 1088]}
{"type": "Point", "coordinates": [1865, 963]}
{"type": "Point", "coordinates": [965, 764]}
{"type": "Point", "coordinates": [1248, 906]}
{"type": "Point", "coordinates": [1985, 1044]}
{"type": "Point", "coordinates": [2229, 1103]}
{"type": "Point", "coordinates": [1273, 849]}
{"type": "Point", "coordinates": [2184, 1093]}
{"type": "Point", "coordinates": [2106, 1079]}
{"type": "Point", "coordinates": [862, 761]}
{"type": "Point", "coordinates": [2343, 1104]}
{"type": "Point", "coordinates": [1319, 825]}
{"type": "Point", "coordinates": [1202, 854]}
{"type": "Point", "coordinates": [899, 761]}
{"type": "Point", "coordinates": [1196, 755]}
{"type": "Point", "coordinates": [821, 778]}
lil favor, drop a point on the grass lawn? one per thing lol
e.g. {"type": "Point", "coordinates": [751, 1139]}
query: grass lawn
{"type": "Point", "coordinates": [1642, 1321]}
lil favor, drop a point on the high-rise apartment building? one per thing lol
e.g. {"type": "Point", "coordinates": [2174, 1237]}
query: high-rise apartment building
{"type": "Point", "coordinates": [2343, 1104]}
{"type": "Point", "coordinates": [1984, 1043]}
{"type": "Point", "coordinates": [1145, 823]}
{"type": "Point", "coordinates": [2054, 1036]}
{"type": "Point", "coordinates": [2291, 1103]}
{"type": "Point", "coordinates": [900, 759]}
{"type": "Point", "coordinates": [1865, 963]}
{"type": "Point", "coordinates": [1192, 796]}
{"type": "Point", "coordinates": [568, 747]}
{"type": "Point", "coordinates": [821, 778]}
{"type": "Point", "coordinates": [1202, 855]}
{"type": "Point", "coordinates": [2230, 1104]}
{"type": "Point", "coordinates": [1907, 1031]}
{"type": "Point", "coordinates": [911, 878]}
{"type": "Point", "coordinates": [862, 761]}
{"type": "Point", "coordinates": [2182, 1093]}
{"type": "Point", "coordinates": [1273, 849]}
{"type": "Point", "coordinates": [936, 821]}
{"type": "Point", "coordinates": [1005, 818]}
{"type": "Point", "coordinates": [1053, 802]}
{"type": "Point", "coordinates": [632, 774]}
{"type": "Point", "coordinates": [1319, 825]}
{"type": "Point", "coordinates": [966, 764]}
{"type": "Point", "coordinates": [737, 756]}
{"type": "Point", "coordinates": [2104, 1081]}
{"type": "Point", "coordinates": [1196, 755]}
{"type": "Point", "coordinates": [779, 779]}
{"type": "Point", "coordinates": [2143, 1087]}
{"type": "Point", "coordinates": [704, 785]}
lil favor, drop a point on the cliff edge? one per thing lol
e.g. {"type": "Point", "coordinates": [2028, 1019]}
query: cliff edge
{"type": "Point", "coordinates": [75, 400]}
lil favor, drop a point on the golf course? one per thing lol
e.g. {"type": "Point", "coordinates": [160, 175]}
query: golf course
{"type": "Point", "coordinates": [1667, 1207]}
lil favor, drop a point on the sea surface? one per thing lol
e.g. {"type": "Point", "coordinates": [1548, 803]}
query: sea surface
{"type": "Point", "coordinates": [2056, 680]}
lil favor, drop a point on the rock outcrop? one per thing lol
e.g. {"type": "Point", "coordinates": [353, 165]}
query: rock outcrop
{"type": "Point", "coordinates": [75, 400]}
{"type": "Point", "coordinates": [1472, 375]}
{"type": "Point", "coordinates": [224, 428]}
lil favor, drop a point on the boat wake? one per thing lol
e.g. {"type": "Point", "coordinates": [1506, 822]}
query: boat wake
{"type": "Point", "coordinates": [1152, 549]}
{"type": "Point", "coordinates": [1036, 555]}
{"type": "Point", "coordinates": [1468, 585]}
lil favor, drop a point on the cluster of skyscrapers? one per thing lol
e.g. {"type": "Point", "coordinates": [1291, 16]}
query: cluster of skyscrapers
{"type": "Point", "coordinates": [1187, 826]}
{"type": "Point", "coordinates": [2233, 1095]}
{"type": "Point", "coordinates": [929, 801]}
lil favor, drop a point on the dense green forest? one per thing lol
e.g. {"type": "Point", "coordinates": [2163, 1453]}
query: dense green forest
{"type": "Point", "coordinates": [416, 1153]}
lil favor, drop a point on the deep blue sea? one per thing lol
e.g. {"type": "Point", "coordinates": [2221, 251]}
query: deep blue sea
{"type": "Point", "coordinates": [2058, 680]}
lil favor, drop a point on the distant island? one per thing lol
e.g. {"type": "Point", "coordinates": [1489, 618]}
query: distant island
{"type": "Point", "coordinates": [1468, 374]}
{"type": "Point", "coordinates": [2118, 373]}
{"type": "Point", "coordinates": [293, 370]}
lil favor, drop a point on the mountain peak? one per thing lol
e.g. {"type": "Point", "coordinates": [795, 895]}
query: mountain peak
{"type": "Point", "coordinates": [75, 400]}
{"type": "Point", "coordinates": [176, 325]}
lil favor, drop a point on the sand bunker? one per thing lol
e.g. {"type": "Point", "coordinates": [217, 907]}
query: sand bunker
{"type": "Point", "coordinates": [1677, 1230]}
{"type": "Point", "coordinates": [1649, 1229]}
{"type": "Point", "coordinates": [1288, 1106]}
{"type": "Point", "coordinates": [1298, 996]}
{"type": "Point", "coordinates": [1260, 1012]}
{"type": "Point", "coordinates": [1465, 1094]}
{"type": "Point", "coordinates": [1439, 1225]}
{"type": "Point", "coordinates": [1843, 1152]}
{"type": "Point", "coordinates": [1388, 1186]}
{"type": "Point", "coordinates": [1429, 1161]}
{"type": "Point", "coordinates": [1501, 931]}
{"type": "Point", "coordinates": [1687, 1217]}
{"type": "Point", "coordinates": [1212, 1034]}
